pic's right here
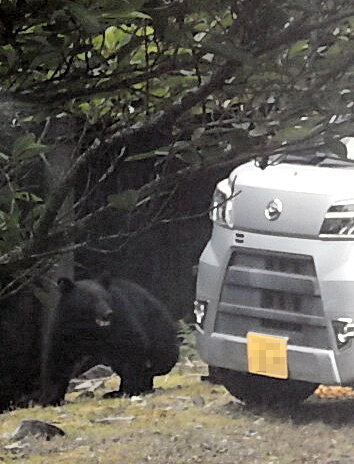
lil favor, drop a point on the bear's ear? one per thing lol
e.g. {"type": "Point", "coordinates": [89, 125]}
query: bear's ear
{"type": "Point", "coordinates": [65, 285]}
{"type": "Point", "coordinates": [105, 279]}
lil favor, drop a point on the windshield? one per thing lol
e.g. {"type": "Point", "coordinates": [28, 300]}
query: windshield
{"type": "Point", "coordinates": [313, 157]}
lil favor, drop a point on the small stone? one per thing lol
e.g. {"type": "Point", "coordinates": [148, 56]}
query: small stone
{"type": "Point", "coordinates": [258, 421]}
{"type": "Point", "coordinates": [198, 400]}
{"type": "Point", "coordinates": [110, 419]}
{"type": "Point", "coordinates": [177, 407]}
{"type": "Point", "coordinates": [136, 399]}
{"type": "Point", "coordinates": [206, 446]}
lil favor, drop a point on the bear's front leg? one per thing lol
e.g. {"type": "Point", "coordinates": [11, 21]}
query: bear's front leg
{"type": "Point", "coordinates": [134, 380]}
{"type": "Point", "coordinates": [53, 394]}
{"type": "Point", "coordinates": [55, 380]}
{"type": "Point", "coordinates": [126, 383]}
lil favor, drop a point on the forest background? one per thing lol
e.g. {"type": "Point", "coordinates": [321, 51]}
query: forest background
{"type": "Point", "coordinates": [118, 117]}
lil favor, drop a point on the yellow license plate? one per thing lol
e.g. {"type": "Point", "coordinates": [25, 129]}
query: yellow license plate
{"type": "Point", "coordinates": [267, 355]}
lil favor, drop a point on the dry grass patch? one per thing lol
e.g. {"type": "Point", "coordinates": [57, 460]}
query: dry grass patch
{"type": "Point", "coordinates": [184, 421]}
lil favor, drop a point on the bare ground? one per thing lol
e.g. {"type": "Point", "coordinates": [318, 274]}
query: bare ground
{"type": "Point", "coordinates": [186, 421]}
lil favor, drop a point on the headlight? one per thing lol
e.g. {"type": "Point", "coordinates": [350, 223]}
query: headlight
{"type": "Point", "coordinates": [221, 205]}
{"type": "Point", "coordinates": [339, 221]}
{"type": "Point", "coordinates": [200, 310]}
{"type": "Point", "coordinates": [343, 330]}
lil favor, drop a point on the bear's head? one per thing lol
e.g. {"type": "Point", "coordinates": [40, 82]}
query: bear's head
{"type": "Point", "coordinates": [85, 301]}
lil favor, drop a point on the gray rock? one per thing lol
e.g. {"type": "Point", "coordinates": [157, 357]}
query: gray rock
{"type": "Point", "coordinates": [97, 372]}
{"type": "Point", "coordinates": [36, 428]}
{"type": "Point", "coordinates": [87, 379]}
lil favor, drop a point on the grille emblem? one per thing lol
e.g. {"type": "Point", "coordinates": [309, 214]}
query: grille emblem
{"type": "Point", "coordinates": [273, 209]}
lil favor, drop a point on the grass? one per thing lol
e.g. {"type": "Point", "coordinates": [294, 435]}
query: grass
{"type": "Point", "coordinates": [187, 421]}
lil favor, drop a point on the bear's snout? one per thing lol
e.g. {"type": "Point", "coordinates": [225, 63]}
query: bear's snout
{"type": "Point", "coordinates": [106, 319]}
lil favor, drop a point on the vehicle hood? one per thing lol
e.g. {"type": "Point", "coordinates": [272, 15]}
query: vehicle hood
{"type": "Point", "coordinates": [305, 193]}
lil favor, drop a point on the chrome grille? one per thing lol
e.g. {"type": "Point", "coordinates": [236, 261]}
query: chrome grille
{"type": "Point", "coordinates": [275, 293]}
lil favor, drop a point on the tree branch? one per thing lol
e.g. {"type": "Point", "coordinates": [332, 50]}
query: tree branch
{"type": "Point", "coordinates": [57, 197]}
{"type": "Point", "coordinates": [162, 123]}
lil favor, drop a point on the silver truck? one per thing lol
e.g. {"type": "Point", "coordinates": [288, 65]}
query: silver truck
{"type": "Point", "coordinates": [274, 301]}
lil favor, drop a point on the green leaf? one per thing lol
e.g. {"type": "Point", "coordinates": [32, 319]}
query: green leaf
{"type": "Point", "coordinates": [160, 92]}
{"type": "Point", "coordinates": [190, 156]}
{"type": "Point", "coordinates": [10, 54]}
{"type": "Point", "coordinates": [115, 38]}
{"type": "Point", "coordinates": [152, 48]}
{"type": "Point", "coordinates": [125, 15]}
{"type": "Point", "coordinates": [87, 20]}
{"type": "Point", "coordinates": [137, 15]}
{"type": "Point", "coordinates": [297, 48]}
{"type": "Point", "coordinates": [85, 107]}
{"type": "Point", "coordinates": [22, 143]}
{"type": "Point", "coordinates": [97, 42]}
{"type": "Point", "coordinates": [34, 149]}
{"type": "Point", "coordinates": [28, 196]}
{"type": "Point", "coordinates": [126, 200]}
{"type": "Point", "coordinates": [291, 134]}
{"type": "Point", "coordinates": [141, 156]}
{"type": "Point", "coordinates": [26, 147]}
{"type": "Point", "coordinates": [3, 158]}
{"type": "Point", "coordinates": [112, 37]}
{"type": "Point", "coordinates": [145, 31]}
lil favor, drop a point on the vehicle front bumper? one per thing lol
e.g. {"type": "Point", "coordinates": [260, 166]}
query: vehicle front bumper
{"type": "Point", "coordinates": [334, 263]}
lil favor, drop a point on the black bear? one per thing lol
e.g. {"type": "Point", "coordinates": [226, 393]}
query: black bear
{"type": "Point", "coordinates": [110, 321]}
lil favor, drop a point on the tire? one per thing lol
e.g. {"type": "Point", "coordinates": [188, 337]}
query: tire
{"type": "Point", "coordinates": [262, 390]}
